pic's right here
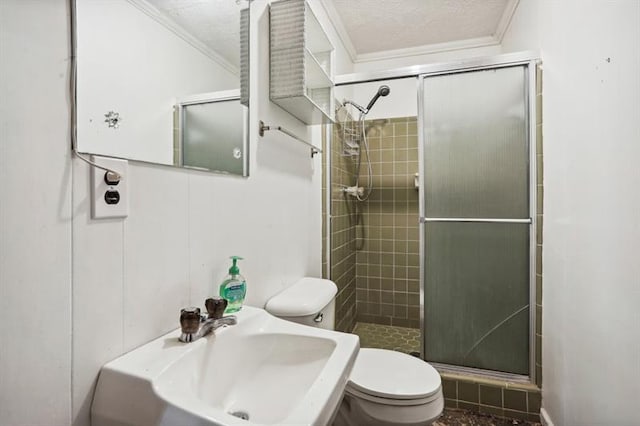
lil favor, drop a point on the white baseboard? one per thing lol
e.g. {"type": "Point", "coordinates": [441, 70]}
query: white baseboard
{"type": "Point", "coordinates": [544, 418]}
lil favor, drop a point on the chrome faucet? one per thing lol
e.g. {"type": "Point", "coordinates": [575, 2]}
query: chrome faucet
{"type": "Point", "coordinates": [195, 325]}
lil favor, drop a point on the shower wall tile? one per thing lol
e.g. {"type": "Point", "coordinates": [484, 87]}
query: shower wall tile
{"type": "Point", "coordinates": [325, 222]}
{"type": "Point", "coordinates": [388, 265]}
{"type": "Point", "coordinates": [469, 392]}
{"type": "Point", "coordinates": [450, 388]}
{"type": "Point", "coordinates": [539, 222]}
{"type": "Point", "coordinates": [491, 396]}
{"type": "Point", "coordinates": [540, 197]}
{"type": "Point", "coordinates": [374, 244]}
{"type": "Point", "coordinates": [450, 403]}
{"type": "Point", "coordinates": [342, 256]}
{"type": "Point", "coordinates": [514, 399]}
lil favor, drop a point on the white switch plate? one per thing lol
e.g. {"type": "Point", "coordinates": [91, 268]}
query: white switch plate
{"type": "Point", "coordinates": [99, 207]}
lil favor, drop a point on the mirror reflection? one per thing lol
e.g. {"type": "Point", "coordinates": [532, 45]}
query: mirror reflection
{"type": "Point", "coordinates": [159, 81]}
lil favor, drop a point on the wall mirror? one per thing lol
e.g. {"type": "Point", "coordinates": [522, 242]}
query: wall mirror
{"type": "Point", "coordinates": [164, 81]}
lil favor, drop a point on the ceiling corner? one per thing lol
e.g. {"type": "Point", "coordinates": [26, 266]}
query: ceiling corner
{"type": "Point", "coordinates": [163, 19]}
{"type": "Point", "coordinates": [336, 21]}
{"type": "Point", "coordinates": [505, 20]}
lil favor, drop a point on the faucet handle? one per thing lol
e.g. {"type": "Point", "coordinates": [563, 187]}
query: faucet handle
{"type": "Point", "coordinates": [215, 307]}
{"type": "Point", "coordinates": [190, 320]}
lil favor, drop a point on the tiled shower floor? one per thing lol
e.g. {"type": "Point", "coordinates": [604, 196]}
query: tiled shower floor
{"type": "Point", "coordinates": [380, 336]}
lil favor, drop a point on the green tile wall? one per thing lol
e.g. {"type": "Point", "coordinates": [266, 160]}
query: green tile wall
{"type": "Point", "coordinates": [496, 397]}
{"type": "Point", "coordinates": [375, 244]}
{"type": "Point", "coordinates": [387, 263]}
{"type": "Point", "coordinates": [343, 233]}
{"type": "Point", "coordinates": [325, 223]}
{"type": "Point", "coordinates": [540, 221]}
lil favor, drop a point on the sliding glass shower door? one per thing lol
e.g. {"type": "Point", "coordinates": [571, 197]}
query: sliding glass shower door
{"type": "Point", "coordinates": [476, 219]}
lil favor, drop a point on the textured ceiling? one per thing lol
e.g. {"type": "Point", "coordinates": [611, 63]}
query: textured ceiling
{"type": "Point", "coordinates": [215, 23]}
{"type": "Point", "coordinates": [371, 26]}
{"type": "Point", "coordinates": [381, 25]}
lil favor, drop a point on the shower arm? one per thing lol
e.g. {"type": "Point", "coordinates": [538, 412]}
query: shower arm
{"type": "Point", "coordinates": [358, 107]}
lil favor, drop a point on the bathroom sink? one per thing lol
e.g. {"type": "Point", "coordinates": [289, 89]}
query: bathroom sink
{"type": "Point", "coordinates": [263, 370]}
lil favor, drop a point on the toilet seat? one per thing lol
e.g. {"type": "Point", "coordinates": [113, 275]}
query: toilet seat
{"type": "Point", "coordinates": [393, 378]}
{"type": "Point", "coordinates": [391, 401]}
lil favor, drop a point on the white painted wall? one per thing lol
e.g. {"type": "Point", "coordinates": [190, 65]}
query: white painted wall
{"type": "Point", "coordinates": [591, 126]}
{"type": "Point", "coordinates": [35, 215]}
{"type": "Point", "coordinates": [77, 289]}
{"type": "Point", "coordinates": [402, 100]}
{"type": "Point", "coordinates": [130, 63]}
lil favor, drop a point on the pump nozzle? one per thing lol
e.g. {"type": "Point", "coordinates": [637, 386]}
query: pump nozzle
{"type": "Point", "coordinates": [234, 270]}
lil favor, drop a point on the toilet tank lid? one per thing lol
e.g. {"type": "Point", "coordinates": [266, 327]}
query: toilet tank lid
{"type": "Point", "coordinates": [307, 296]}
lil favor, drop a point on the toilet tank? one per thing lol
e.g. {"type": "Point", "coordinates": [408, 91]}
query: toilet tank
{"type": "Point", "coordinates": [309, 301]}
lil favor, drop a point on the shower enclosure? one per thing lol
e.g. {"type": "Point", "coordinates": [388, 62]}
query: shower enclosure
{"type": "Point", "coordinates": [477, 218]}
{"type": "Point", "coordinates": [449, 263]}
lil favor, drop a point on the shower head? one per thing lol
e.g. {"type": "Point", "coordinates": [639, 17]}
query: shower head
{"type": "Point", "coordinates": [382, 91]}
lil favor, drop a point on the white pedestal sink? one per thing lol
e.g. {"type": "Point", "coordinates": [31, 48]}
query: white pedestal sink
{"type": "Point", "coordinates": [263, 370]}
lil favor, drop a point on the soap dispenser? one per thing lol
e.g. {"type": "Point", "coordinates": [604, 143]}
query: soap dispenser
{"type": "Point", "coordinates": [234, 288]}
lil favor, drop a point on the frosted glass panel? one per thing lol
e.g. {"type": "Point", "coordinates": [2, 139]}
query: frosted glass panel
{"type": "Point", "coordinates": [212, 136]}
{"type": "Point", "coordinates": [477, 295]}
{"type": "Point", "coordinates": [476, 153]}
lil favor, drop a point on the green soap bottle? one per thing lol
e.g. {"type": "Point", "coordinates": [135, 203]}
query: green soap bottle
{"type": "Point", "coordinates": [234, 288]}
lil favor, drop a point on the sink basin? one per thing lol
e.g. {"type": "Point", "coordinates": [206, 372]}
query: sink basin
{"type": "Point", "coordinates": [263, 370]}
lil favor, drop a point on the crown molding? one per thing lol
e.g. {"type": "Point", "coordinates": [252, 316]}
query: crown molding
{"type": "Point", "coordinates": [166, 22]}
{"type": "Point", "coordinates": [505, 20]}
{"type": "Point", "coordinates": [336, 21]}
{"type": "Point", "coordinates": [428, 49]}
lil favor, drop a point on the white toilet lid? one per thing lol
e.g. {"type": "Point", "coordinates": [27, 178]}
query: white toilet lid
{"type": "Point", "coordinates": [394, 375]}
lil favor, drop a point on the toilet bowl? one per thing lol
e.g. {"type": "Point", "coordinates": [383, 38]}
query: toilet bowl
{"type": "Point", "coordinates": [385, 388]}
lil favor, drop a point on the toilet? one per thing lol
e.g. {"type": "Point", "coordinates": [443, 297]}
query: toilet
{"type": "Point", "coordinates": [385, 388]}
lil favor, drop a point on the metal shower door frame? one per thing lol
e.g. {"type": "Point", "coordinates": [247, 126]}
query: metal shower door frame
{"type": "Point", "coordinates": [529, 58]}
{"type": "Point", "coordinates": [530, 64]}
